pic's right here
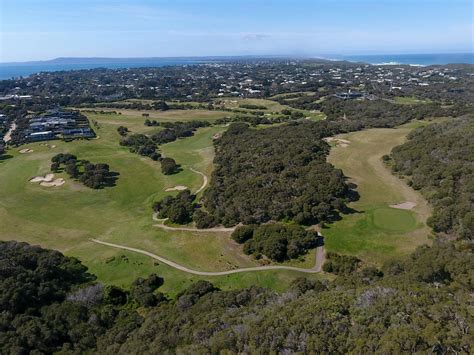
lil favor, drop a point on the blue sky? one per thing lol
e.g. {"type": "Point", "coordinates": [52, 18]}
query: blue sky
{"type": "Point", "coordinates": [46, 29]}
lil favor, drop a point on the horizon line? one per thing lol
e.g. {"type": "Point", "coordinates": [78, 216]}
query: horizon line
{"type": "Point", "coordinates": [327, 56]}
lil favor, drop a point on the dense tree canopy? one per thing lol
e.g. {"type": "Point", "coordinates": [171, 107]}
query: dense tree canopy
{"type": "Point", "coordinates": [49, 303]}
{"type": "Point", "coordinates": [276, 241]}
{"type": "Point", "coordinates": [272, 174]}
{"type": "Point", "coordinates": [177, 209]}
{"type": "Point", "coordinates": [34, 283]}
{"type": "Point", "coordinates": [95, 176]}
{"type": "Point", "coordinates": [175, 130]}
{"type": "Point", "coordinates": [168, 166]}
{"type": "Point", "coordinates": [408, 308]}
{"type": "Point", "coordinates": [142, 145]}
{"type": "Point", "coordinates": [439, 161]}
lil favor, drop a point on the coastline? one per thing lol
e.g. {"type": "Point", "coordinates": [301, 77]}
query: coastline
{"type": "Point", "coordinates": [15, 70]}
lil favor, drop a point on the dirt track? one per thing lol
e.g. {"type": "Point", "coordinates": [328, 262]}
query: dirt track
{"type": "Point", "coordinates": [188, 229]}
{"type": "Point", "coordinates": [204, 183]}
{"type": "Point", "coordinates": [315, 269]}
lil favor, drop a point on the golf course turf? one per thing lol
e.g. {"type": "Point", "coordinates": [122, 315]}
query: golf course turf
{"type": "Point", "coordinates": [68, 216]}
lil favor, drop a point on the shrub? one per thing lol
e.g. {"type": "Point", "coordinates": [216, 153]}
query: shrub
{"type": "Point", "coordinates": [168, 166]}
{"type": "Point", "coordinates": [341, 264]}
{"type": "Point", "coordinates": [243, 233]}
{"type": "Point", "coordinates": [178, 209]}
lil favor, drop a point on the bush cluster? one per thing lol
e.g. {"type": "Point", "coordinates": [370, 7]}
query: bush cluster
{"type": "Point", "coordinates": [276, 241]}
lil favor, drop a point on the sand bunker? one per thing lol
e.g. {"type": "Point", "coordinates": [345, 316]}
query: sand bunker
{"type": "Point", "coordinates": [46, 178]}
{"type": "Point", "coordinates": [404, 206]}
{"type": "Point", "coordinates": [57, 182]}
{"type": "Point", "coordinates": [344, 143]}
{"type": "Point", "coordinates": [26, 150]}
{"type": "Point", "coordinates": [176, 188]}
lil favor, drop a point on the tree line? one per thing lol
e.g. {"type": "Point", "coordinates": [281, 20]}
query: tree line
{"type": "Point", "coordinates": [438, 160]}
{"type": "Point", "coordinates": [276, 241]}
{"type": "Point", "coordinates": [49, 303]}
{"type": "Point", "coordinates": [274, 174]}
{"type": "Point", "coordinates": [95, 176]}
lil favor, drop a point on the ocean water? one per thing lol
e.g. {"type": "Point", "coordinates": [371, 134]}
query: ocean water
{"type": "Point", "coordinates": [14, 70]}
{"type": "Point", "coordinates": [413, 59]}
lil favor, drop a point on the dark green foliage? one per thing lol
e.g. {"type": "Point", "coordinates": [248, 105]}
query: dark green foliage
{"type": "Point", "coordinates": [391, 314]}
{"type": "Point", "coordinates": [142, 290]}
{"type": "Point", "coordinates": [203, 219]}
{"type": "Point", "coordinates": [420, 305]}
{"type": "Point", "coordinates": [142, 145]}
{"type": "Point", "coordinates": [191, 295]}
{"type": "Point", "coordinates": [243, 233]}
{"type": "Point", "coordinates": [95, 176]}
{"type": "Point", "coordinates": [273, 174]}
{"type": "Point", "coordinates": [115, 295]}
{"type": "Point", "coordinates": [252, 120]}
{"type": "Point", "coordinates": [71, 169]}
{"type": "Point", "coordinates": [302, 285]}
{"type": "Point", "coordinates": [160, 105]}
{"type": "Point", "coordinates": [439, 161]}
{"type": "Point", "coordinates": [123, 131]}
{"type": "Point", "coordinates": [149, 123]}
{"type": "Point", "coordinates": [168, 166]}
{"type": "Point", "coordinates": [70, 162]}
{"type": "Point", "coordinates": [34, 316]}
{"type": "Point", "coordinates": [341, 264]}
{"type": "Point", "coordinates": [32, 277]}
{"type": "Point", "coordinates": [253, 107]}
{"type": "Point", "coordinates": [55, 167]}
{"type": "Point", "coordinates": [175, 130]}
{"type": "Point", "coordinates": [275, 240]}
{"type": "Point", "coordinates": [177, 209]}
{"type": "Point", "coordinates": [380, 113]}
{"type": "Point", "coordinates": [63, 158]}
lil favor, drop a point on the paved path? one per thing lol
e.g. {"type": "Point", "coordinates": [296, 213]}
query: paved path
{"type": "Point", "coordinates": [315, 269]}
{"type": "Point", "coordinates": [204, 183]}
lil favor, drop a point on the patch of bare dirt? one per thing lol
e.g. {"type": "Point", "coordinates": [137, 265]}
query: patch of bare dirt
{"type": "Point", "coordinates": [408, 205]}
{"type": "Point", "coordinates": [176, 188]}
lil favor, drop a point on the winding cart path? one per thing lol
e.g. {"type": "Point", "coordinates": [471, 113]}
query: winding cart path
{"type": "Point", "coordinates": [204, 182]}
{"type": "Point", "coordinates": [315, 269]}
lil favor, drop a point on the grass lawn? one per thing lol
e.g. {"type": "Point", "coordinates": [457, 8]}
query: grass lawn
{"type": "Point", "coordinates": [377, 232]}
{"type": "Point", "coordinates": [301, 93]}
{"type": "Point", "coordinates": [164, 116]}
{"type": "Point", "coordinates": [272, 107]}
{"type": "Point", "coordinates": [66, 217]}
{"type": "Point", "coordinates": [410, 100]}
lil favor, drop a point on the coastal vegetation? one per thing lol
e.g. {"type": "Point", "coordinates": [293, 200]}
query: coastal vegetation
{"type": "Point", "coordinates": [438, 161]}
{"type": "Point", "coordinates": [71, 312]}
{"type": "Point", "coordinates": [177, 209]}
{"type": "Point", "coordinates": [284, 162]}
{"type": "Point", "coordinates": [276, 241]}
{"type": "Point", "coordinates": [259, 165]}
{"type": "Point", "coordinates": [141, 144]}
